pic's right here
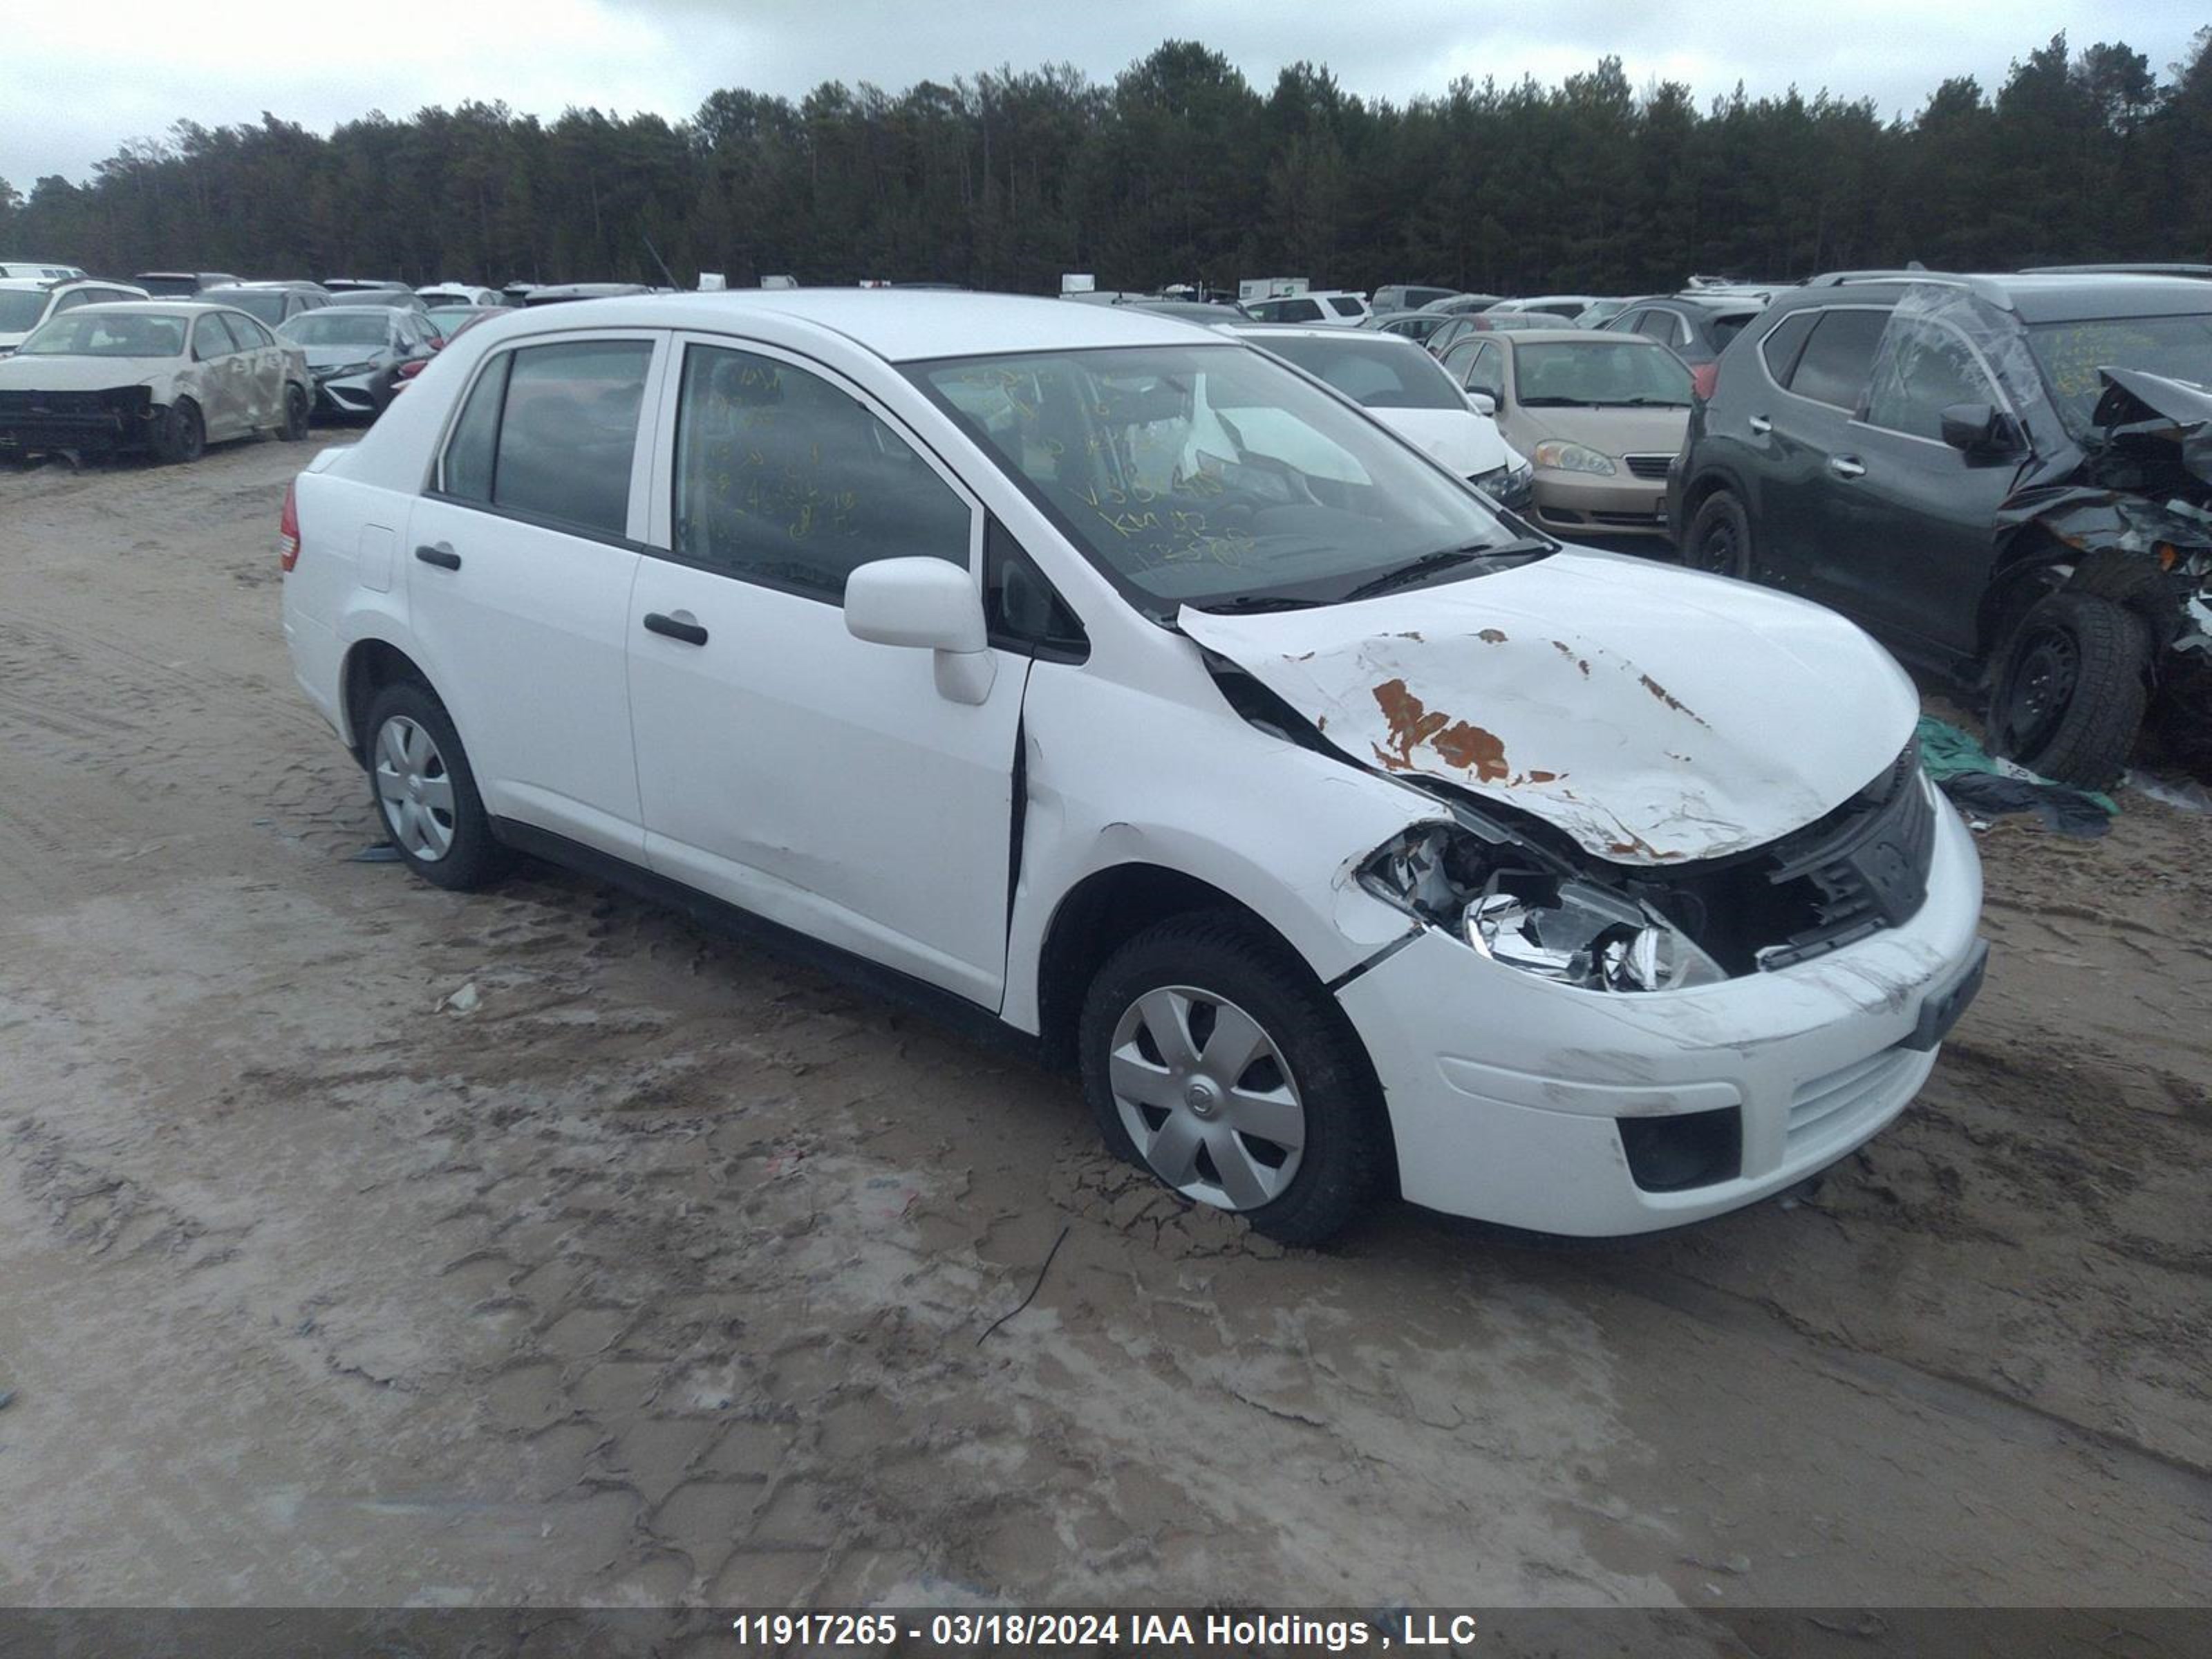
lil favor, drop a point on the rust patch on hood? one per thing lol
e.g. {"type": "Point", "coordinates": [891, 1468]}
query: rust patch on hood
{"type": "Point", "coordinates": [1458, 744]}
{"type": "Point", "coordinates": [1491, 636]}
{"type": "Point", "coordinates": [1667, 697]}
{"type": "Point", "coordinates": [1568, 651]}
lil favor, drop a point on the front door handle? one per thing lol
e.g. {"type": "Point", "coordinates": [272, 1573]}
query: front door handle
{"type": "Point", "coordinates": [440, 554]}
{"type": "Point", "coordinates": [1847, 467]}
{"type": "Point", "coordinates": [675, 627]}
{"type": "Point", "coordinates": [1759, 424]}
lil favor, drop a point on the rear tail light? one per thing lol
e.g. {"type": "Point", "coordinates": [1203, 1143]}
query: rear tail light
{"type": "Point", "coordinates": [287, 529]}
{"type": "Point", "coordinates": [1703, 378]}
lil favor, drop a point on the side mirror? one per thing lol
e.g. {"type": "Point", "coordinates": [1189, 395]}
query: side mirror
{"type": "Point", "coordinates": [1976, 429]}
{"type": "Point", "coordinates": [930, 605]}
{"type": "Point", "coordinates": [1482, 403]}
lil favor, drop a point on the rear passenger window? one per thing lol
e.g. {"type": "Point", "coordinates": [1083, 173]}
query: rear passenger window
{"type": "Point", "coordinates": [1784, 343]}
{"type": "Point", "coordinates": [783, 479]}
{"type": "Point", "coordinates": [1345, 305]}
{"type": "Point", "coordinates": [568, 431]}
{"type": "Point", "coordinates": [1837, 357]}
{"type": "Point", "coordinates": [465, 471]}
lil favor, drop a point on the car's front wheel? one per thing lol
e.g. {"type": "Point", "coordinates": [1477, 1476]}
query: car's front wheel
{"type": "Point", "coordinates": [1719, 537]}
{"type": "Point", "coordinates": [1212, 1057]}
{"type": "Point", "coordinates": [182, 433]}
{"type": "Point", "coordinates": [426, 794]}
{"type": "Point", "coordinates": [2072, 680]}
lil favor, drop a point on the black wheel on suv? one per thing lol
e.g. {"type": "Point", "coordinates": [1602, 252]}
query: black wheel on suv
{"type": "Point", "coordinates": [2072, 683]}
{"type": "Point", "coordinates": [1212, 1057]}
{"type": "Point", "coordinates": [424, 792]}
{"type": "Point", "coordinates": [1719, 538]}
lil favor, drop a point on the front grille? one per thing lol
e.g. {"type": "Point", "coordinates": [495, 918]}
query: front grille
{"type": "Point", "coordinates": [1647, 467]}
{"type": "Point", "coordinates": [33, 403]}
{"type": "Point", "coordinates": [1868, 867]}
{"type": "Point", "coordinates": [1828, 1109]}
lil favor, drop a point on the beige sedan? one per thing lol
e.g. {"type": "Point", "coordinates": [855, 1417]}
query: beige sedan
{"type": "Point", "coordinates": [171, 377]}
{"type": "Point", "coordinates": [1601, 415]}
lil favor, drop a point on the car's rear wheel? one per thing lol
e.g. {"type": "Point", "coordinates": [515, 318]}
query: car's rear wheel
{"type": "Point", "coordinates": [1212, 1057]}
{"type": "Point", "coordinates": [2072, 683]}
{"type": "Point", "coordinates": [426, 794]}
{"type": "Point", "coordinates": [298, 407]}
{"type": "Point", "coordinates": [1719, 538]}
{"type": "Point", "coordinates": [182, 435]}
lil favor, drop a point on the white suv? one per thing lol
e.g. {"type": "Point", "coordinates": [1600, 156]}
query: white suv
{"type": "Point", "coordinates": [1329, 306]}
{"type": "Point", "coordinates": [1344, 842]}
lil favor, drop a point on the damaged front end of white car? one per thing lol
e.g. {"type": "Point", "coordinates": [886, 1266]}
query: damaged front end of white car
{"type": "Point", "coordinates": [1610, 828]}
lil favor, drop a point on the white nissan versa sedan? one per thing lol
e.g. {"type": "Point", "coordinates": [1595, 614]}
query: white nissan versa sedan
{"type": "Point", "coordinates": [1347, 837]}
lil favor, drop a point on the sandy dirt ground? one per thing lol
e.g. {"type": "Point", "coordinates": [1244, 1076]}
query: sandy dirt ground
{"type": "Point", "coordinates": [658, 1272]}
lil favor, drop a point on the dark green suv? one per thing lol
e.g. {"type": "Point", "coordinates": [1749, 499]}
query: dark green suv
{"type": "Point", "coordinates": [2009, 479]}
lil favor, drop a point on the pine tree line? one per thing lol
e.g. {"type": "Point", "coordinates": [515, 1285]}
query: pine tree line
{"type": "Point", "coordinates": [1181, 170]}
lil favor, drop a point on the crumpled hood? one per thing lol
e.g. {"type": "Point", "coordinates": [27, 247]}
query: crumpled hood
{"type": "Point", "coordinates": [1652, 715]}
{"type": "Point", "coordinates": [2137, 404]}
{"type": "Point", "coordinates": [42, 373]}
{"type": "Point", "coordinates": [1459, 439]}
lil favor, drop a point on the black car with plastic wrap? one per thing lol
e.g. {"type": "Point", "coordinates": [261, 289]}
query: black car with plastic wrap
{"type": "Point", "coordinates": [2007, 478]}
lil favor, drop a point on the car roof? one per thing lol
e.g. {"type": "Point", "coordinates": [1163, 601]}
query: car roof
{"type": "Point", "coordinates": [898, 324]}
{"type": "Point", "coordinates": [1318, 332]}
{"type": "Point", "coordinates": [1554, 336]}
{"type": "Point", "coordinates": [2032, 296]}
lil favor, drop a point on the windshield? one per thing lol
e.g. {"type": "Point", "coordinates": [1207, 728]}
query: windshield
{"type": "Point", "coordinates": [2070, 354]}
{"type": "Point", "coordinates": [108, 334]}
{"type": "Point", "coordinates": [366, 329]}
{"type": "Point", "coordinates": [1600, 374]}
{"type": "Point", "coordinates": [1374, 373]}
{"type": "Point", "coordinates": [21, 309]}
{"type": "Point", "coordinates": [1212, 475]}
{"type": "Point", "coordinates": [267, 304]}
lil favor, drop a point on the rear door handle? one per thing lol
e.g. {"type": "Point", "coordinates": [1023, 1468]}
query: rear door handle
{"type": "Point", "coordinates": [1759, 424]}
{"type": "Point", "coordinates": [675, 627]}
{"type": "Point", "coordinates": [440, 554]}
{"type": "Point", "coordinates": [1847, 467]}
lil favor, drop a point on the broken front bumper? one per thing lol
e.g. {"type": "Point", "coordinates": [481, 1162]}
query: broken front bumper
{"type": "Point", "coordinates": [1537, 1105]}
{"type": "Point", "coordinates": [82, 420]}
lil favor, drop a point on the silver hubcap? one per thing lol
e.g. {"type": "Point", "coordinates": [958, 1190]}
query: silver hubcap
{"type": "Point", "coordinates": [1206, 1095]}
{"type": "Point", "coordinates": [415, 790]}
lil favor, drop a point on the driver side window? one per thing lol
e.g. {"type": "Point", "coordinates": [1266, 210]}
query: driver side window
{"type": "Point", "coordinates": [783, 479]}
{"type": "Point", "coordinates": [1487, 374]}
{"type": "Point", "coordinates": [209, 341]}
{"type": "Point", "coordinates": [1923, 369]}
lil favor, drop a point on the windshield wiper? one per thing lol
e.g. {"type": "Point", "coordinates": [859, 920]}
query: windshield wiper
{"type": "Point", "coordinates": [1250, 602]}
{"type": "Point", "coordinates": [1428, 563]}
{"type": "Point", "coordinates": [1556, 403]}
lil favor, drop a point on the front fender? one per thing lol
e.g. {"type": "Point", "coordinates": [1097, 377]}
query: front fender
{"type": "Point", "coordinates": [1116, 776]}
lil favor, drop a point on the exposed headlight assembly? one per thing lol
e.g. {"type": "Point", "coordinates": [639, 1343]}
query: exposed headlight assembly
{"type": "Point", "coordinates": [1510, 486]}
{"type": "Point", "coordinates": [1498, 899]}
{"type": "Point", "coordinates": [1564, 457]}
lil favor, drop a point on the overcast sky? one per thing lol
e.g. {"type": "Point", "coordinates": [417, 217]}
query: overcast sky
{"type": "Point", "coordinates": [74, 84]}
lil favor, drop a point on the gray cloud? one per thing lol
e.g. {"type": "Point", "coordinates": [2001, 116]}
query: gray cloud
{"type": "Point", "coordinates": [73, 87]}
